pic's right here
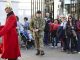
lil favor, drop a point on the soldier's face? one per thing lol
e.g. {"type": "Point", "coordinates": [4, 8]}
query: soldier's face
{"type": "Point", "coordinates": [38, 15]}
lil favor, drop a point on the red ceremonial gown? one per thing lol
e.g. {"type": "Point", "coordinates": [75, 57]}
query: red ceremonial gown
{"type": "Point", "coordinates": [9, 35]}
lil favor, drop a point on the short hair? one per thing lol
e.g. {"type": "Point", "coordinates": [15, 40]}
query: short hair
{"type": "Point", "coordinates": [17, 18]}
{"type": "Point", "coordinates": [39, 12]}
{"type": "Point", "coordinates": [25, 18]}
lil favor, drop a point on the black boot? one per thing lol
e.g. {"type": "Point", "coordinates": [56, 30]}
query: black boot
{"type": "Point", "coordinates": [42, 53]}
{"type": "Point", "coordinates": [38, 52]}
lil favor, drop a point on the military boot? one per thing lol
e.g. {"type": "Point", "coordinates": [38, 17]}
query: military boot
{"type": "Point", "coordinates": [38, 52]}
{"type": "Point", "coordinates": [42, 53]}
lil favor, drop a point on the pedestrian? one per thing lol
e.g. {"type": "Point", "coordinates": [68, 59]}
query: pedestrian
{"type": "Point", "coordinates": [10, 49]}
{"type": "Point", "coordinates": [26, 23]}
{"type": "Point", "coordinates": [53, 29]}
{"type": "Point", "coordinates": [61, 33]}
{"type": "Point", "coordinates": [47, 29]}
{"type": "Point", "coordinates": [19, 26]}
{"type": "Point", "coordinates": [71, 35]}
{"type": "Point", "coordinates": [78, 33]}
{"type": "Point", "coordinates": [37, 25]}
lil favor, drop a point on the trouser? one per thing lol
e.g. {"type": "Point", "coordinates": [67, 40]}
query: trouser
{"type": "Point", "coordinates": [54, 41]}
{"type": "Point", "coordinates": [54, 38]}
{"type": "Point", "coordinates": [64, 44]}
{"type": "Point", "coordinates": [78, 35]}
{"type": "Point", "coordinates": [39, 43]}
{"type": "Point", "coordinates": [46, 37]}
{"type": "Point", "coordinates": [62, 38]}
{"type": "Point", "coordinates": [71, 43]}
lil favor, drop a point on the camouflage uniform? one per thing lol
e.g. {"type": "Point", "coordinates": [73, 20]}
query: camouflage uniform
{"type": "Point", "coordinates": [38, 23]}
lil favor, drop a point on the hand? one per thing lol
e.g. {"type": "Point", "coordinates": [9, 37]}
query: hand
{"type": "Point", "coordinates": [29, 40]}
{"type": "Point", "coordinates": [36, 30]}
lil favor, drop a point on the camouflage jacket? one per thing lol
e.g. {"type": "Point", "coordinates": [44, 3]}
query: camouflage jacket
{"type": "Point", "coordinates": [37, 23]}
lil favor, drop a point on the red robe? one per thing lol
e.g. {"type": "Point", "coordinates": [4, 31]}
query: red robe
{"type": "Point", "coordinates": [0, 48]}
{"type": "Point", "coordinates": [10, 38]}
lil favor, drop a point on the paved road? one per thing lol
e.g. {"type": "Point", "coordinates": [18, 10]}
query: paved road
{"type": "Point", "coordinates": [50, 54]}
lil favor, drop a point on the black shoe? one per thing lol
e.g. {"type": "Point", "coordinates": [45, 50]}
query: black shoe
{"type": "Point", "coordinates": [42, 53]}
{"type": "Point", "coordinates": [72, 52]}
{"type": "Point", "coordinates": [68, 52]}
{"type": "Point", "coordinates": [38, 52]}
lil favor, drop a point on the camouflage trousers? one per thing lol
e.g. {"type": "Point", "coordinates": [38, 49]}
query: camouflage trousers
{"type": "Point", "coordinates": [39, 43]}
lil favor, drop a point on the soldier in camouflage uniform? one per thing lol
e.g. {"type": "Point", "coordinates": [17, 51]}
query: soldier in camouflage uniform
{"type": "Point", "coordinates": [37, 25]}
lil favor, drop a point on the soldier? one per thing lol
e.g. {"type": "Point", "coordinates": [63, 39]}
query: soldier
{"type": "Point", "coordinates": [37, 25]}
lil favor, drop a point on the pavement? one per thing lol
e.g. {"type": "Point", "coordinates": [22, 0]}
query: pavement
{"type": "Point", "coordinates": [50, 54]}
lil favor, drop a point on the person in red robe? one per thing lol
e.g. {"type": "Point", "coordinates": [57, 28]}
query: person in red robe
{"type": "Point", "coordinates": [10, 46]}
